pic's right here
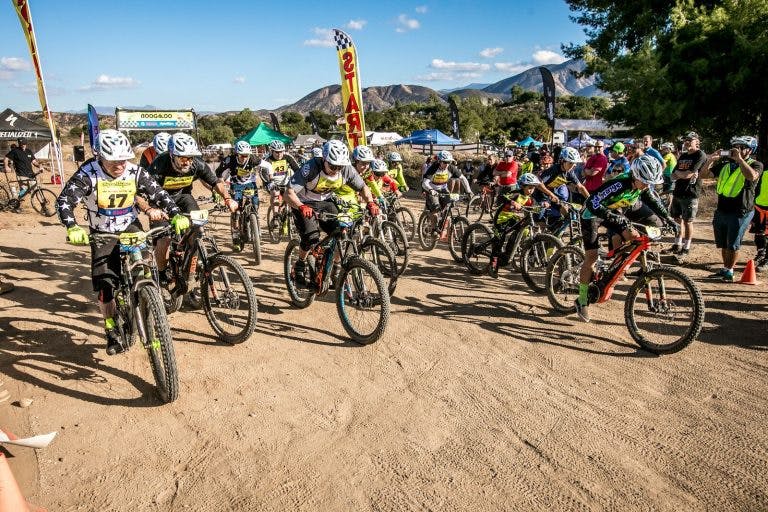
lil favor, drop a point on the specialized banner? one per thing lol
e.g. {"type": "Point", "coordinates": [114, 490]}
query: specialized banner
{"type": "Point", "coordinates": [454, 117]}
{"type": "Point", "coordinates": [549, 95]}
{"type": "Point", "coordinates": [351, 93]}
{"type": "Point", "coordinates": [93, 129]}
{"type": "Point", "coordinates": [155, 120]}
{"type": "Point", "coordinates": [275, 122]}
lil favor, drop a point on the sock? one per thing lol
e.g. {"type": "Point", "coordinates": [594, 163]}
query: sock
{"type": "Point", "coordinates": [688, 243]}
{"type": "Point", "coordinates": [109, 323]}
{"type": "Point", "coordinates": [583, 295]}
{"type": "Point", "coordinates": [679, 240]}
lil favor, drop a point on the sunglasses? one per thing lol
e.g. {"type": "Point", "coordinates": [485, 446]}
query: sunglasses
{"type": "Point", "coordinates": [184, 159]}
{"type": "Point", "coordinates": [336, 168]}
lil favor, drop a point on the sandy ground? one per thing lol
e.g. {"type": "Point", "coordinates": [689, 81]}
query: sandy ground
{"type": "Point", "coordinates": [478, 397]}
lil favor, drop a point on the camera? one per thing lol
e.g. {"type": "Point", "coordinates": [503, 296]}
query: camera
{"type": "Point", "coordinates": [725, 153]}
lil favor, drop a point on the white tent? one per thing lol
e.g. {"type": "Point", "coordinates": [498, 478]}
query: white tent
{"type": "Point", "coordinates": [581, 141]}
{"type": "Point", "coordinates": [382, 138]}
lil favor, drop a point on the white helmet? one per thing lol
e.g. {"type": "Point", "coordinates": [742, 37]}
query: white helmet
{"type": "Point", "coordinates": [114, 146]}
{"type": "Point", "coordinates": [181, 144]}
{"type": "Point", "coordinates": [379, 167]}
{"type": "Point", "coordinates": [276, 145]}
{"type": "Point", "coordinates": [317, 152]}
{"type": "Point", "coordinates": [160, 142]}
{"type": "Point", "coordinates": [362, 154]}
{"type": "Point", "coordinates": [647, 169]}
{"type": "Point", "coordinates": [242, 148]}
{"type": "Point", "coordinates": [570, 155]}
{"type": "Point", "coordinates": [394, 156]}
{"type": "Point", "coordinates": [528, 179]}
{"type": "Point", "coordinates": [444, 156]}
{"type": "Point", "coordinates": [668, 146]}
{"type": "Point", "coordinates": [335, 152]}
{"type": "Point", "coordinates": [744, 140]}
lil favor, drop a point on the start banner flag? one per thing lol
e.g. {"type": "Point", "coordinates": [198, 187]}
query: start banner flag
{"type": "Point", "coordinates": [351, 93]}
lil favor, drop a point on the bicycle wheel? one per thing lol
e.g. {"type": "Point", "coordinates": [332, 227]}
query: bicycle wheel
{"type": "Point", "coordinates": [407, 221]}
{"type": "Point", "coordinates": [476, 248]}
{"type": "Point", "coordinates": [562, 278]}
{"type": "Point", "coordinates": [381, 256]}
{"type": "Point", "coordinates": [475, 208]}
{"type": "Point", "coordinates": [274, 226]}
{"type": "Point", "coordinates": [362, 301]}
{"type": "Point", "coordinates": [394, 236]}
{"type": "Point", "coordinates": [255, 236]}
{"type": "Point", "coordinates": [5, 198]}
{"type": "Point", "coordinates": [427, 227]}
{"type": "Point", "coordinates": [459, 226]}
{"type": "Point", "coordinates": [535, 255]}
{"type": "Point", "coordinates": [664, 310]}
{"type": "Point", "coordinates": [300, 297]}
{"type": "Point", "coordinates": [229, 299]}
{"type": "Point", "coordinates": [159, 343]}
{"type": "Point", "coordinates": [44, 202]}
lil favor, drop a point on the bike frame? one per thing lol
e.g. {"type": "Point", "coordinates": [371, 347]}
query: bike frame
{"type": "Point", "coordinates": [634, 249]}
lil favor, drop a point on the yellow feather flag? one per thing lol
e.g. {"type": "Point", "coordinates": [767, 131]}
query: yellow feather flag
{"type": "Point", "coordinates": [351, 93]}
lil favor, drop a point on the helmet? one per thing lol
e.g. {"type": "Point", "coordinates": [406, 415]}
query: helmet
{"type": "Point", "coordinates": [181, 144]}
{"type": "Point", "coordinates": [113, 145]}
{"type": "Point", "coordinates": [379, 167]}
{"type": "Point", "coordinates": [668, 146]}
{"type": "Point", "coordinates": [394, 156]}
{"type": "Point", "coordinates": [276, 145]}
{"type": "Point", "coordinates": [509, 153]}
{"type": "Point", "coordinates": [242, 148]}
{"type": "Point", "coordinates": [744, 140]}
{"type": "Point", "coordinates": [444, 156]}
{"type": "Point", "coordinates": [528, 179]}
{"type": "Point", "coordinates": [362, 154]}
{"type": "Point", "coordinates": [691, 135]}
{"type": "Point", "coordinates": [570, 155]}
{"type": "Point", "coordinates": [317, 152]}
{"type": "Point", "coordinates": [618, 148]}
{"type": "Point", "coordinates": [335, 152]}
{"type": "Point", "coordinates": [160, 142]}
{"type": "Point", "coordinates": [647, 169]}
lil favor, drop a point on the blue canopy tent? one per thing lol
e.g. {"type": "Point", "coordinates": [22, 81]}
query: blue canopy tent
{"type": "Point", "coordinates": [435, 137]}
{"type": "Point", "coordinates": [527, 141]}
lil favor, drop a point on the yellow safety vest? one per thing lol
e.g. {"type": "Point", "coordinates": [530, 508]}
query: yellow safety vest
{"type": "Point", "coordinates": [731, 180]}
{"type": "Point", "coordinates": [762, 194]}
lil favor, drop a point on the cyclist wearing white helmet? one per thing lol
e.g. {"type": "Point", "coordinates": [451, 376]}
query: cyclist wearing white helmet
{"type": "Point", "coordinates": [108, 186]}
{"type": "Point", "coordinates": [278, 173]}
{"type": "Point", "coordinates": [436, 178]}
{"type": "Point", "coordinates": [159, 145]}
{"type": "Point", "coordinates": [667, 150]}
{"type": "Point", "coordinates": [175, 171]}
{"type": "Point", "coordinates": [609, 206]}
{"type": "Point", "coordinates": [362, 158]}
{"type": "Point", "coordinates": [560, 174]}
{"type": "Point", "coordinates": [396, 170]}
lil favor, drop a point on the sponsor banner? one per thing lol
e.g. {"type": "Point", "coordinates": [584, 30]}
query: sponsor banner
{"type": "Point", "coordinates": [351, 93]}
{"type": "Point", "coordinates": [454, 118]}
{"type": "Point", "coordinates": [549, 95]}
{"type": "Point", "coordinates": [93, 129]}
{"type": "Point", "coordinates": [155, 120]}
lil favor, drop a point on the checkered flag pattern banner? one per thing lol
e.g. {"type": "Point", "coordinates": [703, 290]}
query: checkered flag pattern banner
{"type": "Point", "coordinates": [343, 41]}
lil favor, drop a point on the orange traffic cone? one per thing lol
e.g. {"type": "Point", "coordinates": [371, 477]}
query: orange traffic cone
{"type": "Point", "coordinates": [11, 499]}
{"type": "Point", "coordinates": [749, 276]}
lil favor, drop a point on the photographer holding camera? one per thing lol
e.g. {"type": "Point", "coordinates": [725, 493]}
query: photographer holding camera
{"type": "Point", "coordinates": [737, 174]}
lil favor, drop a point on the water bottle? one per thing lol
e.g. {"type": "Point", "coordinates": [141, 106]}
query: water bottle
{"type": "Point", "coordinates": [23, 191]}
{"type": "Point", "coordinates": [14, 191]}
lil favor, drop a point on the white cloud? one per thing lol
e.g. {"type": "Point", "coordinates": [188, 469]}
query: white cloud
{"type": "Point", "coordinates": [356, 24]}
{"type": "Point", "coordinates": [239, 80]}
{"type": "Point", "coordinates": [5, 75]}
{"type": "Point", "coordinates": [14, 64]}
{"type": "Point", "coordinates": [542, 57]}
{"type": "Point", "coordinates": [490, 53]}
{"type": "Point", "coordinates": [422, 9]}
{"type": "Point", "coordinates": [447, 76]}
{"type": "Point", "coordinates": [458, 66]}
{"type": "Point", "coordinates": [405, 23]}
{"type": "Point", "coordinates": [106, 82]}
{"type": "Point", "coordinates": [324, 38]}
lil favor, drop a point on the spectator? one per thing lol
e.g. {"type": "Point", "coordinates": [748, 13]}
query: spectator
{"type": "Point", "coordinates": [648, 149]}
{"type": "Point", "coordinates": [594, 169]}
{"type": "Point", "coordinates": [506, 173]}
{"type": "Point", "coordinates": [760, 222]}
{"type": "Point", "coordinates": [485, 176]}
{"type": "Point", "coordinates": [670, 161]}
{"type": "Point", "coordinates": [619, 163]}
{"type": "Point", "coordinates": [685, 195]}
{"type": "Point", "coordinates": [736, 176]}
{"type": "Point", "coordinates": [23, 160]}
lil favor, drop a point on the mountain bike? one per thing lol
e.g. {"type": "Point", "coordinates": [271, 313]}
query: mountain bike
{"type": "Point", "coordinates": [41, 199]}
{"type": "Point", "coordinates": [481, 204]}
{"type": "Point", "coordinates": [247, 219]}
{"type": "Point", "coordinates": [280, 225]}
{"type": "Point", "coordinates": [362, 299]}
{"type": "Point", "coordinates": [392, 235]}
{"type": "Point", "coordinates": [139, 306]}
{"type": "Point", "coordinates": [663, 309]}
{"type": "Point", "coordinates": [401, 215]}
{"type": "Point", "coordinates": [447, 224]}
{"type": "Point", "coordinates": [212, 280]}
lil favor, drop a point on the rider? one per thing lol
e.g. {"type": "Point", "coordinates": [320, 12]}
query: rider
{"type": "Point", "coordinates": [555, 181]}
{"type": "Point", "coordinates": [241, 171]}
{"type": "Point", "coordinates": [381, 181]}
{"type": "Point", "coordinates": [108, 185]}
{"type": "Point", "coordinates": [435, 181]}
{"type": "Point", "coordinates": [276, 177]}
{"type": "Point", "coordinates": [311, 190]}
{"type": "Point", "coordinates": [608, 206]}
{"type": "Point", "coordinates": [175, 171]}
{"type": "Point", "coordinates": [159, 145]}
{"type": "Point", "coordinates": [396, 170]}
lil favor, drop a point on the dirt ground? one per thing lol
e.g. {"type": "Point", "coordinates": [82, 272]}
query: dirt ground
{"type": "Point", "coordinates": [478, 397]}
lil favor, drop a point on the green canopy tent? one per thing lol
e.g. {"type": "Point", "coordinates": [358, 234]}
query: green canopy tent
{"type": "Point", "coordinates": [262, 135]}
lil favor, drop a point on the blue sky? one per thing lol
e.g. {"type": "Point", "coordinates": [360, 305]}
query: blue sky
{"type": "Point", "coordinates": [228, 55]}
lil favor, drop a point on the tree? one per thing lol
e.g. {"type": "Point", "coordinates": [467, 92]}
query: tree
{"type": "Point", "coordinates": [242, 122]}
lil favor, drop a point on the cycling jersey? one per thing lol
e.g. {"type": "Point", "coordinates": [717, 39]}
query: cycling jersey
{"type": "Point", "coordinates": [396, 173]}
{"type": "Point", "coordinates": [436, 178]}
{"type": "Point", "coordinates": [280, 172]}
{"type": "Point", "coordinates": [147, 157]}
{"type": "Point", "coordinates": [507, 213]}
{"type": "Point", "coordinates": [312, 184]}
{"type": "Point", "coordinates": [669, 164]}
{"type": "Point", "coordinates": [175, 182]}
{"type": "Point", "coordinates": [620, 193]}
{"type": "Point", "coordinates": [240, 174]}
{"type": "Point", "coordinates": [110, 203]}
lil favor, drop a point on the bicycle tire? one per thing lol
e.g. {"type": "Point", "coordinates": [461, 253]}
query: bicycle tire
{"type": "Point", "coordinates": [697, 315]}
{"type": "Point", "coordinates": [478, 262]}
{"type": "Point", "coordinates": [255, 237]}
{"type": "Point", "coordinates": [301, 298]}
{"type": "Point", "coordinates": [275, 230]}
{"type": "Point", "coordinates": [535, 254]}
{"type": "Point", "coordinates": [378, 253]}
{"type": "Point", "coordinates": [407, 221]}
{"type": "Point", "coordinates": [231, 299]}
{"type": "Point", "coordinates": [474, 211]}
{"type": "Point", "coordinates": [459, 226]}
{"type": "Point", "coordinates": [159, 343]}
{"type": "Point", "coordinates": [426, 227]}
{"type": "Point", "coordinates": [564, 265]}
{"type": "Point", "coordinates": [43, 201]}
{"type": "Point", "coordinates": [396, 239]}
{"type": "Point", "coordinates": [348, 291]}
{"type": "Point", "coordinates": [5, 198]}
